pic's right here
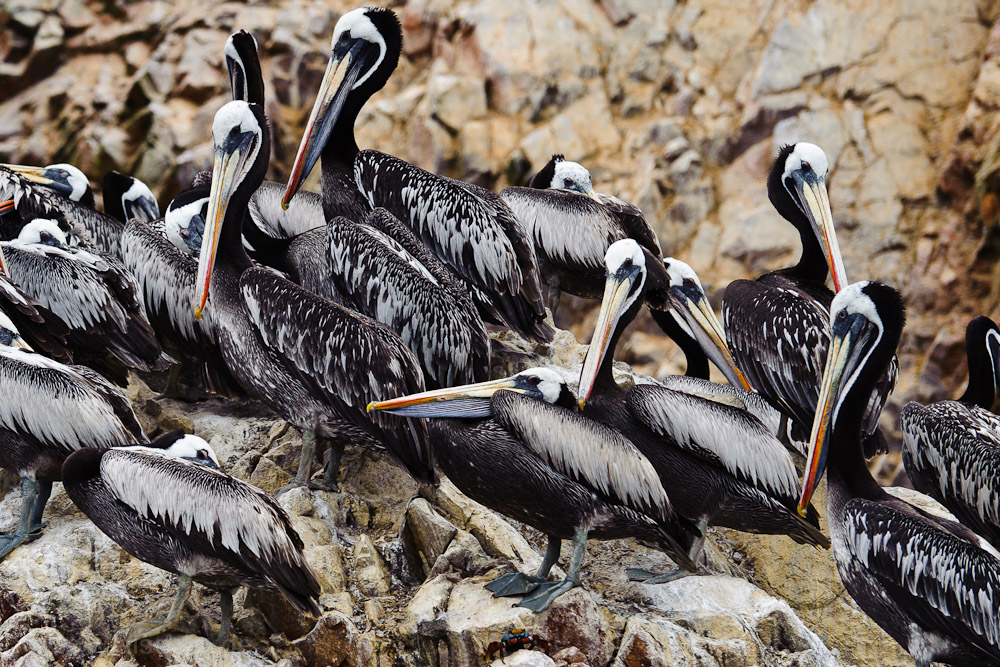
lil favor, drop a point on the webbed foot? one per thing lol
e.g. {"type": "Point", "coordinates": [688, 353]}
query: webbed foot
{"type": "Point", "coordinates": [515, 583]}
{"type": "Point", "coordinates": [545, 593]}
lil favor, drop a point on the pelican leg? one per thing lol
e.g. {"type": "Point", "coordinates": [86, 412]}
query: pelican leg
{"type": "Point", "coordinates": [170, 389]}
{"type": "Point", "coordinates": [305, 463]}
{"type": "Point", "coordinates": [331, 470]}
{"type": "Point", "coordinates": [44, 490]}
{"type": "Point", "coordinates": [11, 541]}
{"type": "Point", "coordinates": [518, 583]}
{"type": "Point", "coordinates": [636, 574]}
{"type": "Point", "coordinates": [545, 593]}
{"type": "Point", "coordinates": [148, 629]}
{"type": "Point", "coordinates": [226, 604]}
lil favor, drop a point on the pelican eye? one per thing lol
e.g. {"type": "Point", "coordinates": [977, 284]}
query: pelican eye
{"type": "Point", "coordinates": [689, 283]}
{"type": "Point", "coordinates": [842, 315]}
{"type": "Point", "coordinates": [45, 237]}
{"type": "Point", "coordinates": [806, 166]}
{"type": "Point", "coordinates": [568, 182]}
{"type": "Point", "coordinates": [534, 380]}
{"type": "Point", "coordinates": [203, 454]}
{"type": "Point", "coordinates": [627, 262]}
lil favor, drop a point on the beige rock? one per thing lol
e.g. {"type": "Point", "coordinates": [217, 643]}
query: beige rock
{"type": "Point", "coordinates": [369, 572]}
{"type": "Point", "coordinates": [425, 534]}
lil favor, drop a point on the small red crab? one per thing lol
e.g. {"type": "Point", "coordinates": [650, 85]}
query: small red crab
{"type": "Point", "coordinates": [515, 640]}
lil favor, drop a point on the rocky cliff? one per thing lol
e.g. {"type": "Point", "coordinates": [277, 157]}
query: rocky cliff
{"type": "Point", "coordinates": [678, 107]}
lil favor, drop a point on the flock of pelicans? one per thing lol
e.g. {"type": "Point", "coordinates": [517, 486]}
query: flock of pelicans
{"type": "Point", "coordinates": [360, 316]}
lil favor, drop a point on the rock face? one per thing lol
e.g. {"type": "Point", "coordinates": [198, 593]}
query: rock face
{"type": "Point", "coordinates": [677, 107]}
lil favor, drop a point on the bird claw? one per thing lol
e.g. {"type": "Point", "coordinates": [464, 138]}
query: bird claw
{"type": "Point", "coordinates": [324, 486]}
{"type": "Point", "coordinates": [294, 484]}
{"type": "Point", "coordinates": [544, 594]}
{"type": "Point", "coordinates": [515, 583]}
{"type": "Point", "coordinates": [646, 577]}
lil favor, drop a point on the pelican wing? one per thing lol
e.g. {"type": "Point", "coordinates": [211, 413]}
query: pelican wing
{"type": "Point", "coordinates": [956, 447]}
{"type": "Point", "coordinates": [946, 583]}
{"type": "Point", "coordinates": [343, 356]}
{"type": "Point", "coordinates": [737, 397]}
{"type": "Point", "coordinates": [61, 406]}
{"type": "Point", "coordinates": [720, 434]}
{"type": "Point", "coordinates": [166, 278]}
{"type": "Point", "coordinates": [213, 513]}
{"type": "Point", "coordinates": [633, 222]}
{"type": "Point", "coordinates": [779, 340]}
{"type": "Point", "coordinates": [584, 450]}
{"type": "Point", "coordinates": [568, 228]}
{"type": "Point", "coordinates": [376, 274]}
{"type": "Point", "coordinates": [305, 211]}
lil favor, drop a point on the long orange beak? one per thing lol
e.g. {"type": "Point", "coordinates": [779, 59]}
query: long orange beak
{"type": "Point", "coordinates": [836, 361]}
{"type": "Point", "coordinates": [815, 202]}
{"type": "Point", "coordinates": [613, 305]}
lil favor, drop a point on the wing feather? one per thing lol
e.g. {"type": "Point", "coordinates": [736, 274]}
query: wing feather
{"type": "Point", "coordinates": [584, 450]}
{"type": "Point", "coordinates": [721, 434]}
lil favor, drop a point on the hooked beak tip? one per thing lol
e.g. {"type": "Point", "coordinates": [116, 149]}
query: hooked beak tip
{"type": "Point", "coordinates": [370, 406]}
{"type": "Point", "coordinates": [801, 510]}
{"type": "Point", "coordinates": [197, 312]}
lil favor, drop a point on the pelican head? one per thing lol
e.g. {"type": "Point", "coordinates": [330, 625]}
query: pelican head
{"type": "Point", "coordinates": [802, 170]}
{"type": "Point", "coordinates": [474, 400]}
{"type": "Point", "coordinates": [240, 143]}
{"type": "Point", "coordinates": [41, 231]}
{"type": "Point", "coordinates": [9, 335]}
{"type": "Point", "coordinates": [694, 314]}
{"type": "Point", "coordinates": [625, 278]}
{"type": "Point", "coordinates": [180, 446]}
{"type": "Point", "coordinates": [63, 178]}
{"type": "Point", "coordinates": [866, 320]}
{"type": "Point", "coordinates": [184, 221]}
{"type": "Point", "coordinates": [126, 197]}
{"type": "Point", "coordinates": [364, 50]}
{"type": "Point", "coordinates": [244, 67]}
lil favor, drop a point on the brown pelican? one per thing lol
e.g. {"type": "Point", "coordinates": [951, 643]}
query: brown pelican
{"type": "Point", "coordinates": [468, 227]}
{"type": "Point", "coordinates": [572, 226]}
{"type": "Point", "coordinates": [518, 446]}
{"type": "Point", "coordinates": [48, 411]}
{"type": "Point", "coordinates": [312, 361]}
{"type": "Point", "coordinates": [126, 197]}
{"type": "Point", "coordinates": [931, 583]}
{"type": "Point", "coordinates": [62, 193]}
{"type": "Point", "coordinates": [721, 464]}
{"type": "Point", "coordinates": [951, 449]}
{"type": "Point", "coordinates": [93, 293]}
{"type": "Point", "coordinates": [776, 325]}
{"type": "Point", "coordinates": [167, 504]}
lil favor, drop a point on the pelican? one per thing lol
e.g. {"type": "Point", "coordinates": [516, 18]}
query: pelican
{"type": "Point", "coordinates": [720, 464]}
{"type": "Point", "coordinates": [126, 197]}
{"type": "Point", "coordinates": [48, 411]}
{"type": "Point", "coordinates": [167, 504]}
{"type": "Point", "coordinates": [518, 446]}
{"type": "Point", "coordinates": [312, 361]}
{"type": "Point", "coordinates": [691, 323]}
{"type": "Point", "coordinates": [468, 227]}
{"type": "Point", "coordinates": [572, 226]}
{"type": "Point", "coordinates": [59, 192]}
{"type": "Point", "coordinates": [951, 449]}
{"type": "Point", "coordinates": [931, 583]}
{"type": "Point", "coordinates": [377, 267]}
{"type": "Point", "coordinates": [776, 325]}
{"type": "Point", "coordinates": [92, 293]}
{"type": "Point", "coordinates": [184, 220]}
{"type": "Point", "coordinates": [39, 327]}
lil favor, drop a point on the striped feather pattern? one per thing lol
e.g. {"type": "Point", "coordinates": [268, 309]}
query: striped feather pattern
{"type": "Point", "coordinates": [584, 450]}
{"type": "Point", "coordinates": [238, 520]}
{"type": "Point", "coordinates": [720, 434]}
{"type": "Point", "coordinates": [65, 407]}
{"type": "Point", "coordinates": [951, 585]}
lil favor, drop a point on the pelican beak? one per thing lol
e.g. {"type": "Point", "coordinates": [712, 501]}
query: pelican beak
{"type": "Point", "coordinates": [143, 208]}
{"type": "Point", "coordinates": [842, 360]}
{"type": "Point", "coordinates": [347, 65]}
{"type": "Point", "coordinates": [466, 401]}
{"type": "Point", "coordinates": [18, 343]}
{"type": "Point", "coordinates": [810, 192]}
{"type": "Point", "coordinates": [6, 206]}
{"type": "Point", "coordinates": [232, 162]}
{"type": "Point", "coordinates": [617, 289]}
{"type": "Point", "coordinates": [697, 313]}
{"type": "Point", "coordinates": [33, 174]}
